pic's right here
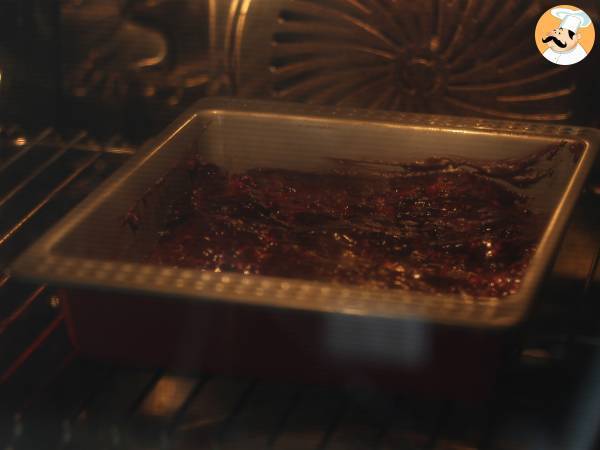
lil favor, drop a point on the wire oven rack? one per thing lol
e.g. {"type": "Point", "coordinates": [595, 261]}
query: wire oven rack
{"type": "Point", "coordinates": [51, 398]}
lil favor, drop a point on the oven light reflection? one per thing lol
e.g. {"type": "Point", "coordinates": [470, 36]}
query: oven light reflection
{"type": "Point", "coordinates": [167, 396]}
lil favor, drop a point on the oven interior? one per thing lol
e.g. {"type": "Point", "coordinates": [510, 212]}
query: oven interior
{"type": "Point", "coordinates": [85, 82]}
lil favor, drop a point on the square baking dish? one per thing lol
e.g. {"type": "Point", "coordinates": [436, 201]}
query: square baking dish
{"type": "Point", "coordinates": [120, 309]}
{"type": "Point", "coordinates": [90, 248]}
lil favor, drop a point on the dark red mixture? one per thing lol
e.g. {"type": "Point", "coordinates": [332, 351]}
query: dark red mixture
{"type": "Point", "coordinates": [437, 229]}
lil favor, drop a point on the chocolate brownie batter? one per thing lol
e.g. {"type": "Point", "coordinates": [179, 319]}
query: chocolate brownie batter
{"type": "Point", "coordinates": [435, 226]}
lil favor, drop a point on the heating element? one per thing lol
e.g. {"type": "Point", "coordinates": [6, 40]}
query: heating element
{"type": "Point", "coordinates": [54, 399]}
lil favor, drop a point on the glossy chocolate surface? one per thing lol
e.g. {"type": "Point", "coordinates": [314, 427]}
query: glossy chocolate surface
{"type": "Point", "coordinates": [436, 226]}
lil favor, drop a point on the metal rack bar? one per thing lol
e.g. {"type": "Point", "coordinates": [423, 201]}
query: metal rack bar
{"type": "Point", "coordinates": [3, 279]}
{"type": "Point", "coordinates": [8, 373]}
{"type": "Point", "coordinates": [41, 168]}
{"type": "Point", "coordinates": [108, 148]}
{"type": "Point", "coordinates": [21, 309]}
{"type": "Point", "coordinates": [48, 141]}
{"type": "Point", "coordinates": [27, 217]}
{"type": "Point", "coordinates": [33, 144]}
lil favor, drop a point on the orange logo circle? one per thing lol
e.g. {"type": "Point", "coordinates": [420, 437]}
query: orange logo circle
{"type": "Point", "coordinates": [565, 35]}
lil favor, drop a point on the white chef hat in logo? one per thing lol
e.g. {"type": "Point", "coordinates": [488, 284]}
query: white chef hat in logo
{"type": "Point", "coordinates": [572, 20]}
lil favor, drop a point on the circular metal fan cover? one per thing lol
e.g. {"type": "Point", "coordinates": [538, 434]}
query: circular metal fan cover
{"type": "Point", "coordinates": [468, 57]}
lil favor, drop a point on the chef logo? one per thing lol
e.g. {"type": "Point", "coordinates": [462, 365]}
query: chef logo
{"type": "Point", "coordinates": [565, 35]}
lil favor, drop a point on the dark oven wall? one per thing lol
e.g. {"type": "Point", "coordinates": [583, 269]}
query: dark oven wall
{"type": "Point", "coordinates": [130, 66]}
{"type": "Point", "coordinates": [30, 83]}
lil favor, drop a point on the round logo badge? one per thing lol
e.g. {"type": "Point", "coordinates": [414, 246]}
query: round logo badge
{"type": "Point", "coordinates": [565, 35]}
